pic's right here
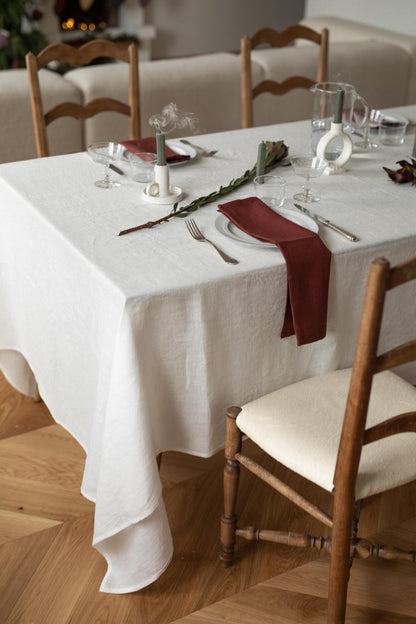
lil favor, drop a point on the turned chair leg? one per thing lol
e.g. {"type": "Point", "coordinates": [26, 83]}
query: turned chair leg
{"type": "Point", "coordinates": [344, 531]}
{"type": "Point", "coordinates": [233, 439]}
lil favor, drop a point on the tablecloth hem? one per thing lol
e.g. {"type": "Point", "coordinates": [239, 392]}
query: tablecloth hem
{"type": "Point", "coordinates": [152, 505]}
{"type": "Point", "coordinates": [12, 381]}
{"type": "Point", "coordinates": [27, 386]}
{"type": "Point", "coordinates": [133, 588]}
{"type": "Point", "coordinates": [186, 451]}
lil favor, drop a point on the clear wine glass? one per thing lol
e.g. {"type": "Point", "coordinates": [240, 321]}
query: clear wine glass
{"type": "Point", "coordinates": [372, 123]}
{"type": "Point", "coordinates": [308, 167]}
{"type": "Point", "coordinates": [105, 154]}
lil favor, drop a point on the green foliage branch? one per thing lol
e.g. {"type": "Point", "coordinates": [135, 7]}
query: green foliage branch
{"type": "Point", "coordinates": [276, 152]}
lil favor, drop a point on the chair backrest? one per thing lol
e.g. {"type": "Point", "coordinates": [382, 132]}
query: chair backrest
{"type": "Point", "coordinates": [367, 363]}
{"type": "Point", "coordinates": [355, 434]}
{"type": "Point", "coordinates": [278, 40]}
{"type": "Point", "coordinates": [77, 57]}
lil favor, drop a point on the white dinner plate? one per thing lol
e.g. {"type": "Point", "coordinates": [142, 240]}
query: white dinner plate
{"type": "Point", "coordinates": [226, 227]}
{"type": "Point", "coordinates": [182, 150]}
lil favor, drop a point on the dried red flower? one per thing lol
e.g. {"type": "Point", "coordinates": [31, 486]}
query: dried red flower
{"type": "Point", "coordinates": [406, 172]}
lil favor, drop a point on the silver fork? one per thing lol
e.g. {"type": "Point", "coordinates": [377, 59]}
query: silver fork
{"type": "Point", "coordinates": [196, 233]}
{"type": "Point", "coordinates": [201, 150]}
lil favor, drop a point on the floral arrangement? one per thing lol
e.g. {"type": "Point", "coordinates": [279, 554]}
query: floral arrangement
{"type": "Point", "coordinates": [406, 172]}
{"type": "Point", "coordinates": [19, 32]}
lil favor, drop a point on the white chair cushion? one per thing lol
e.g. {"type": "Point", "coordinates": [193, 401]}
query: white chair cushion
{"type": "Point", "coordinates": [300, 427]}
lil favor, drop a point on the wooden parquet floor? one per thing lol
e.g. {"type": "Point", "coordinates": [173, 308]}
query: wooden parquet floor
{"type": "Point", "coordinates": [50, 574]}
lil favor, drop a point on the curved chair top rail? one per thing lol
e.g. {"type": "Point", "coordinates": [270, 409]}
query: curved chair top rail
{"type": "Point", "coordinates": [281, 39]}
{"type": "Point", "coordinates": [85, 54]}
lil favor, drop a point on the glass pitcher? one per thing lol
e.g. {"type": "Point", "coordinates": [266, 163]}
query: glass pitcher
{"type": "Point", "coordinates": [324, 101]}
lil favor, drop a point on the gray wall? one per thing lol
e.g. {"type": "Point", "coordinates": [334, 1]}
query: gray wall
{"type": "Point", "coordinates": [187, 27]}
{"type": "Point", "coordinates": [399, 15]}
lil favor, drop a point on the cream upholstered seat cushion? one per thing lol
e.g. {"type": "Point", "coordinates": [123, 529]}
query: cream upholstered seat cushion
{"type": "Point", "coordinates": [300, 425]}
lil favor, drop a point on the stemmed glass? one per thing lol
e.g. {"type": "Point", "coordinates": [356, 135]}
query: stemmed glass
{"type": "Point", "coordinates": [308, 167]}
{"type": "Point", "coordinates": [106, 153]}
{"type": "Point", "coordinates": [373, 120]}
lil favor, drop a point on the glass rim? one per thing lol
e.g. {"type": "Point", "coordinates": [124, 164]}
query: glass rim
{"type": "Point", "coordinates": [393, 117]}
{"type": "Point", "coordinates": [137, 157]}
{"type": "Point", "coordinates": [270, 177]}
{"type": "Point", "coordinates": [331, 87]}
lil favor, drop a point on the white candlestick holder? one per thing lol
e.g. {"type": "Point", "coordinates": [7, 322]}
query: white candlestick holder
{"type": "Point", "coordinates": [159, 191]}
{"type": "Point", "coordinates": [336, 132]}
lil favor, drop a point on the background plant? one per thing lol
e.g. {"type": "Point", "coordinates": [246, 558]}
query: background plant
{"type": "Point", "coordinates": [19, 32]}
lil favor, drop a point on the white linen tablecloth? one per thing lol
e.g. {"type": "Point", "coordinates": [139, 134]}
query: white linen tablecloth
{"type": "Point", "coordinates": [139, 343]}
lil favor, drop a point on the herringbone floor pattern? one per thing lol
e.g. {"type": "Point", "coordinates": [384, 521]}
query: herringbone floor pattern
{"type": "Point", "coordinates": [50, 574]}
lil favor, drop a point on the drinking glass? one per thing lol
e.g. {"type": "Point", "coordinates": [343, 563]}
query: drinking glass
{"type": "Point", "coordinates": [142, 166]}
{"type": "Point", "coordinates": [270, 189]}
{"type": "Point", "coordinates": [392, 129]}
{"type": "Point", "coordinates": [370, 127]}
{"type": "Point", "coordinates": [308, 167]}
{"type": "Point", "coordinates": [106, 153]}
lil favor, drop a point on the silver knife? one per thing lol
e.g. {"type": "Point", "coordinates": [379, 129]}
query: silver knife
{"type": "Point", "coordinates": [327, 223]}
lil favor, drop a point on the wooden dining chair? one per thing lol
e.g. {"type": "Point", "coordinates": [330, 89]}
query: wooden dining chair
{"type": "Point", "coordinates": [276, 39]}
{"type": "Point", "coordinates": [76, 57]}
{"type": "Point", "coordinates": [327, 430]}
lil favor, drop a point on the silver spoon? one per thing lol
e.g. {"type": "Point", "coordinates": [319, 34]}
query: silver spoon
{"type": "Point", "coordinates": [202, 151]}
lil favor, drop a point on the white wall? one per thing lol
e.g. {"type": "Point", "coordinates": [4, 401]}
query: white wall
{"type": "Point", "coordinates": [185, 27]}
{"type": "Point", "coordinates": [398, 15]}
{"type": "Point", "coordinates": [200, 26]}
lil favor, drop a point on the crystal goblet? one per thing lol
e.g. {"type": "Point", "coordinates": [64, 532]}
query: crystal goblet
{"type": "Point", "coordinates": [371, 126]}
{"type": "Point", "coordinates": [106, 153]}
{"type": "Point", "coordinates": [308, 167]}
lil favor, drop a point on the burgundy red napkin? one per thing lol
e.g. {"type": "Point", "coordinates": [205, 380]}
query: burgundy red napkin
{"type": "Point", "coordinates": [149, 145]}
{"type": "Point", "coordinates": [307, 260]}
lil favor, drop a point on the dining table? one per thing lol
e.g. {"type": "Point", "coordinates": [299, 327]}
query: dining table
{"type": "Point", "coordinates": [138, 343]}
